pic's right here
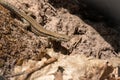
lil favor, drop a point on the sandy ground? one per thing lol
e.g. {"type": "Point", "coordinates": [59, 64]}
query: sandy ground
{"type": "Point", "coordinates": [90, 35]}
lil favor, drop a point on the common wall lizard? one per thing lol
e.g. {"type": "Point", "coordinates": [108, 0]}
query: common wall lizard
{"type": "Point", "coordinates": [34, 24]}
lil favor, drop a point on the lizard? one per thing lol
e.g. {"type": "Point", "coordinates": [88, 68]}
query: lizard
{"type": "Point", "coordinates": [41, 31]}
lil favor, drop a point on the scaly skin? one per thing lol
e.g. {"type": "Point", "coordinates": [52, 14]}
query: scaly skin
{"type": "Point", "coordinates": [35, 25]}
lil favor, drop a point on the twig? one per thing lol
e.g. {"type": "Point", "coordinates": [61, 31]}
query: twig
{"type": "Point", "coordinates": [29, 72]}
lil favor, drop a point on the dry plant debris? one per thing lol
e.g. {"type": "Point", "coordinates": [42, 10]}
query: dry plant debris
{"type": "Point", "coordinates": [59, 74]}
{"type": "Point", "coordinates": [75, 67]}
{"type": "Point", "coordinates": [27, 73]}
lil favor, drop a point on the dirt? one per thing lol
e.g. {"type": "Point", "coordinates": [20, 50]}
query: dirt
{"type": "Point", "coordinates": [90, 35]}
